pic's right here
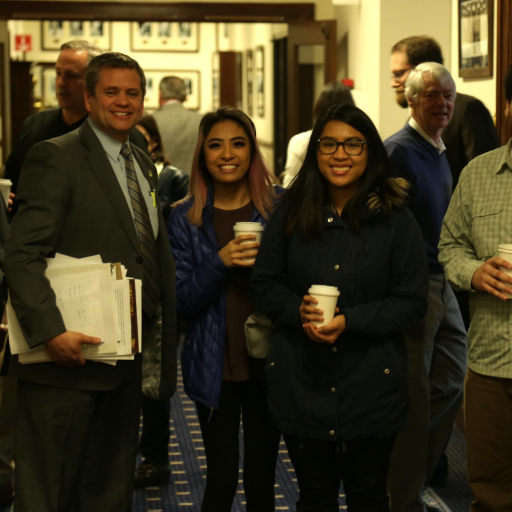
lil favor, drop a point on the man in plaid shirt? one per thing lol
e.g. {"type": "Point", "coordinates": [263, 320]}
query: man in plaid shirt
{"type": "Point", "coordinates": [478, 220]}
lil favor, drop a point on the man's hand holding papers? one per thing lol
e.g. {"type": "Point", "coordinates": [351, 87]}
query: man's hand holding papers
{"type": "Point", "coordinates": [66, 348]}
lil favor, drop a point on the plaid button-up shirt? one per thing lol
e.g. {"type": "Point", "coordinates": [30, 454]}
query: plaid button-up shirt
{"type": "Point", "coordinates": [478, 220]}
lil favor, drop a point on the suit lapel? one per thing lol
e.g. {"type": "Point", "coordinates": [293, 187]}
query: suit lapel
{"type": "Point", "coordinates": [101, 168]}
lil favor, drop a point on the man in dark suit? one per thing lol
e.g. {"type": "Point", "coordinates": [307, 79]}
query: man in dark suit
{"type": "Point", "coordinates": [471, 132]}
{"type": "Point", "coordinates": [85, 193]}
{"type": "Point", "coordinates": [47, 124]}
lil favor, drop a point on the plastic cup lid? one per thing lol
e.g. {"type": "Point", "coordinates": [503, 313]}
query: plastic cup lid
{"type": "Point", "coordinates": [323, 290]}
{"type": "Point", "coordinates": [505, 247]}
{"type": "Point", "coordinates": [248, 226]}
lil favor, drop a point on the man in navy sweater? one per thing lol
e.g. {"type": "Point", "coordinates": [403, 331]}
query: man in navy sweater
{"type": "Point", "coordinates": [437, 347]}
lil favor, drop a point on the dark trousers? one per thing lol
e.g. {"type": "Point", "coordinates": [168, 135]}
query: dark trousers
{"type": "Point", "coordinates": [436, 360]}
{"type": "Point", "coordinates": [76, 449]}
{"type": "Point", "coordinates": [361, 464]}
{"type": "Point", "coordinates": [154, 442]}
{"type": "Point", "coordinates": [220, 437]}
{"type": "Point", "coordinates": [488, 414]}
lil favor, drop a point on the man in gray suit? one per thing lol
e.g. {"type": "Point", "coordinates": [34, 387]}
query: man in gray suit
{"type": "Point", "coordinates": [178, 126]}
{"type": "Point", "coordinates": [88, 192]}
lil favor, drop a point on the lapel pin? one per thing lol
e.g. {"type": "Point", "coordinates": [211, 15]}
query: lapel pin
{"type": "Point", "coordinates": [150, 173]}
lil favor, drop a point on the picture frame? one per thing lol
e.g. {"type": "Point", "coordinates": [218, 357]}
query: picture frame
{"type": "Point", "coordinates": [250, 82]}
{"type": "Point", "coordinates": [260, 80]}
{"type": "Point", "coordinates": [215, 80]}
{"type": "Point", "coordinates": [164, 36]}
{"type": "Point", "coordinates": [56, 32]}
{"type": "Point", "coordinates": [43, 78]}
{"type": "Point", "coordinates": [475, 38]}
{"type": "Point", "coordinates": [191, 77]}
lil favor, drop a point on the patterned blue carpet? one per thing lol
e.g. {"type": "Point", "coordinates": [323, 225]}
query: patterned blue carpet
{"type": "Point", "coordinates": [188, 465]}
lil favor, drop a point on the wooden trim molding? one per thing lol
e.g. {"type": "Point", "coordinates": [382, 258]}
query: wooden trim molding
{"type": "Point", "coordinates": [504, 60]}
{"type": "Point", "coordinates": [150, 11]}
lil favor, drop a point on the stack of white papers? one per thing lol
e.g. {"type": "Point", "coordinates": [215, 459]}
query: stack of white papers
{"type": "Point", "coordinates": [94, 298]}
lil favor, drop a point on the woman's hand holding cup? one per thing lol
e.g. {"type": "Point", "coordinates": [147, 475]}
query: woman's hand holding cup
{"type": "Point", "coordinates": [308, 311]}
{"type": "Point", "coordinates": [234, 254]}
{"type": "Point", "coordinates": [326, 333]}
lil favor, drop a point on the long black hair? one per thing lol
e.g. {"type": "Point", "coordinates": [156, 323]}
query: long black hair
{"type": "Point", "coordinates": [309, 195]}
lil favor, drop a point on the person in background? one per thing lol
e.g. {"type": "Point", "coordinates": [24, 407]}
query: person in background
{"type": "Point", "coordinates": [178, 126]}
{"type": "Point", "coordinates": [333, 93]}
{"type": "Point", "coordinates": [471, 131]}
{"type": "Point", "coordinates": [8, 385]}
{"type": "Point", "coordinates": [156, 414]}
{"type": "Point", "coordinates": [478, 220]}
{"type": "Point", "coordinates": [172, 182]}
{"type": "Point", "coordinates": [229, 183]}
{"type": "Point", "coordinates": [338, 393]}
{"type": "Point", "coordinates": [436, 348]}
{"type": "Point", "coordinates": [47, 124]}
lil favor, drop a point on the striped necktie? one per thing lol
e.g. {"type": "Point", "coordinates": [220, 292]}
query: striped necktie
{"type": "Point", "coordinates": [151, 278]}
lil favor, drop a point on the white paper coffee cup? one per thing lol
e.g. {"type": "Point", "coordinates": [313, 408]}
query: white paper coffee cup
{"type": "Point", "coordinates": [327, 297]}
{"type": "Point", "coordinates": [5, 189]}
{"type": "Point", "coordinates": [248, 228]}
{"type": "Point", "coordinates": [505, 252]}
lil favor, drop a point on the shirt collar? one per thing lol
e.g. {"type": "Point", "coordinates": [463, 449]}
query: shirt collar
{"type": "Point", "coordinates": [415, 125]}
{"type": "Point", "coordinates": [506, 159]}
{"type": "Point", "coordinates": [172, 100]}
{"type": "Point", "coordinates": [111, 146]}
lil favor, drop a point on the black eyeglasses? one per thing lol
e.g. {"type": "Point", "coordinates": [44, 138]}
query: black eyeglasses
{"type": "Point", "coordinates": [352, 147]}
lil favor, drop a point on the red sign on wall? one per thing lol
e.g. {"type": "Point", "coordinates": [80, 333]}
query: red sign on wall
{"type": "Point", "coordinates": [23, 43]}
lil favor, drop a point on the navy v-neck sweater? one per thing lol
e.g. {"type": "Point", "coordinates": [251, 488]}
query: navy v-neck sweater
{"type": "Point", "coordinates": [428, 172]}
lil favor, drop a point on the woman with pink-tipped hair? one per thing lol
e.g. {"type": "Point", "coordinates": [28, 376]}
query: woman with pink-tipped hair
{"type": "Point", "coordinates": [229, 183]}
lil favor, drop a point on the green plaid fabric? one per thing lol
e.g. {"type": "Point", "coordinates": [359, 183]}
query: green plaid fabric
{"type": "Point", "coordinates": [478, 220]}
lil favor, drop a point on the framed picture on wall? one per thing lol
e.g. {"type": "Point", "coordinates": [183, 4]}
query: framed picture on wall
{"type": "Point", "coordinates": [250, 82]}
{"type": "Point", "coordinates": [163, 36]}
{"type": "Point", "coordinates": [215, 81]}
{"type": "Point", "coordinates": [475, 38]}
{"type": "Point", "coordinates": [56, 32]}
{"type": "Point", "coordinates": [48, 93]}
{"type": "Point", "coordinates": [191, 78]}
{"type": "Point", "coordinates": [260, 80]}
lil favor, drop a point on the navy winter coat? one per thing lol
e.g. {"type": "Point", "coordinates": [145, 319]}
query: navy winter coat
{"type": "Point", "coordinates": [357, 387]}
{"type": "Point", "coordinates": [201, 300]}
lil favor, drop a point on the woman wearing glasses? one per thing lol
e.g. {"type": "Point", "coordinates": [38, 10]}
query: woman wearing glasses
{"type": "Point", "coordinates": [339, 392]}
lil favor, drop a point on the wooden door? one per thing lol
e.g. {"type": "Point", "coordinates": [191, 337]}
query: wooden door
{"type": "Point", "coordinates": [300, 36]}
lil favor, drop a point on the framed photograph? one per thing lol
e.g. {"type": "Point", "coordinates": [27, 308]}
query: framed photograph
{"type": "Point", "coordinates": [56, 32]}
{"type": "Point", "coordinates": [215, 81]}
{"type": "Point", "coordinates": [260, 81]}
{"type": "Point", "coordinates": [250, 81]}
{"type": "Point", "coordinates": [163, 36]}
{"type": "Point", "coordinates": [191, 78]}
{"type": "Point", "coordinates": [475, 38]}
{"type": "Point", "coordinates": [48, 93]}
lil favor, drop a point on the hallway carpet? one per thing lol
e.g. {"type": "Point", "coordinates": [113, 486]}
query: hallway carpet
{"type": "Point", "coordinates": [188, 466]}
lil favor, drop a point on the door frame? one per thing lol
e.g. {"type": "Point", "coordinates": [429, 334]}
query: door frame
{"type": "Point", "coordinates": [308, 33]}
{"type": "Point", "coordinates": [221, 12]}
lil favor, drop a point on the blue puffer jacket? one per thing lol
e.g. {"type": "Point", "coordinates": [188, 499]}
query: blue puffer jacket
{"type": "Point", "coordinates": [201, 299]}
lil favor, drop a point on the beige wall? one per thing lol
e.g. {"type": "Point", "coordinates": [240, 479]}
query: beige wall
{"type": "Point", "coordinates": [366, 34]}
{"type": "Point", "coordinates": [370, 30]}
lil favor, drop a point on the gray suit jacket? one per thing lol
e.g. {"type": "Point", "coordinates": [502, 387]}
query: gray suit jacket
{"type": "Point", "coordinates": [179, 129]}
{"type": "Point", "coordinates": [71, 203]}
